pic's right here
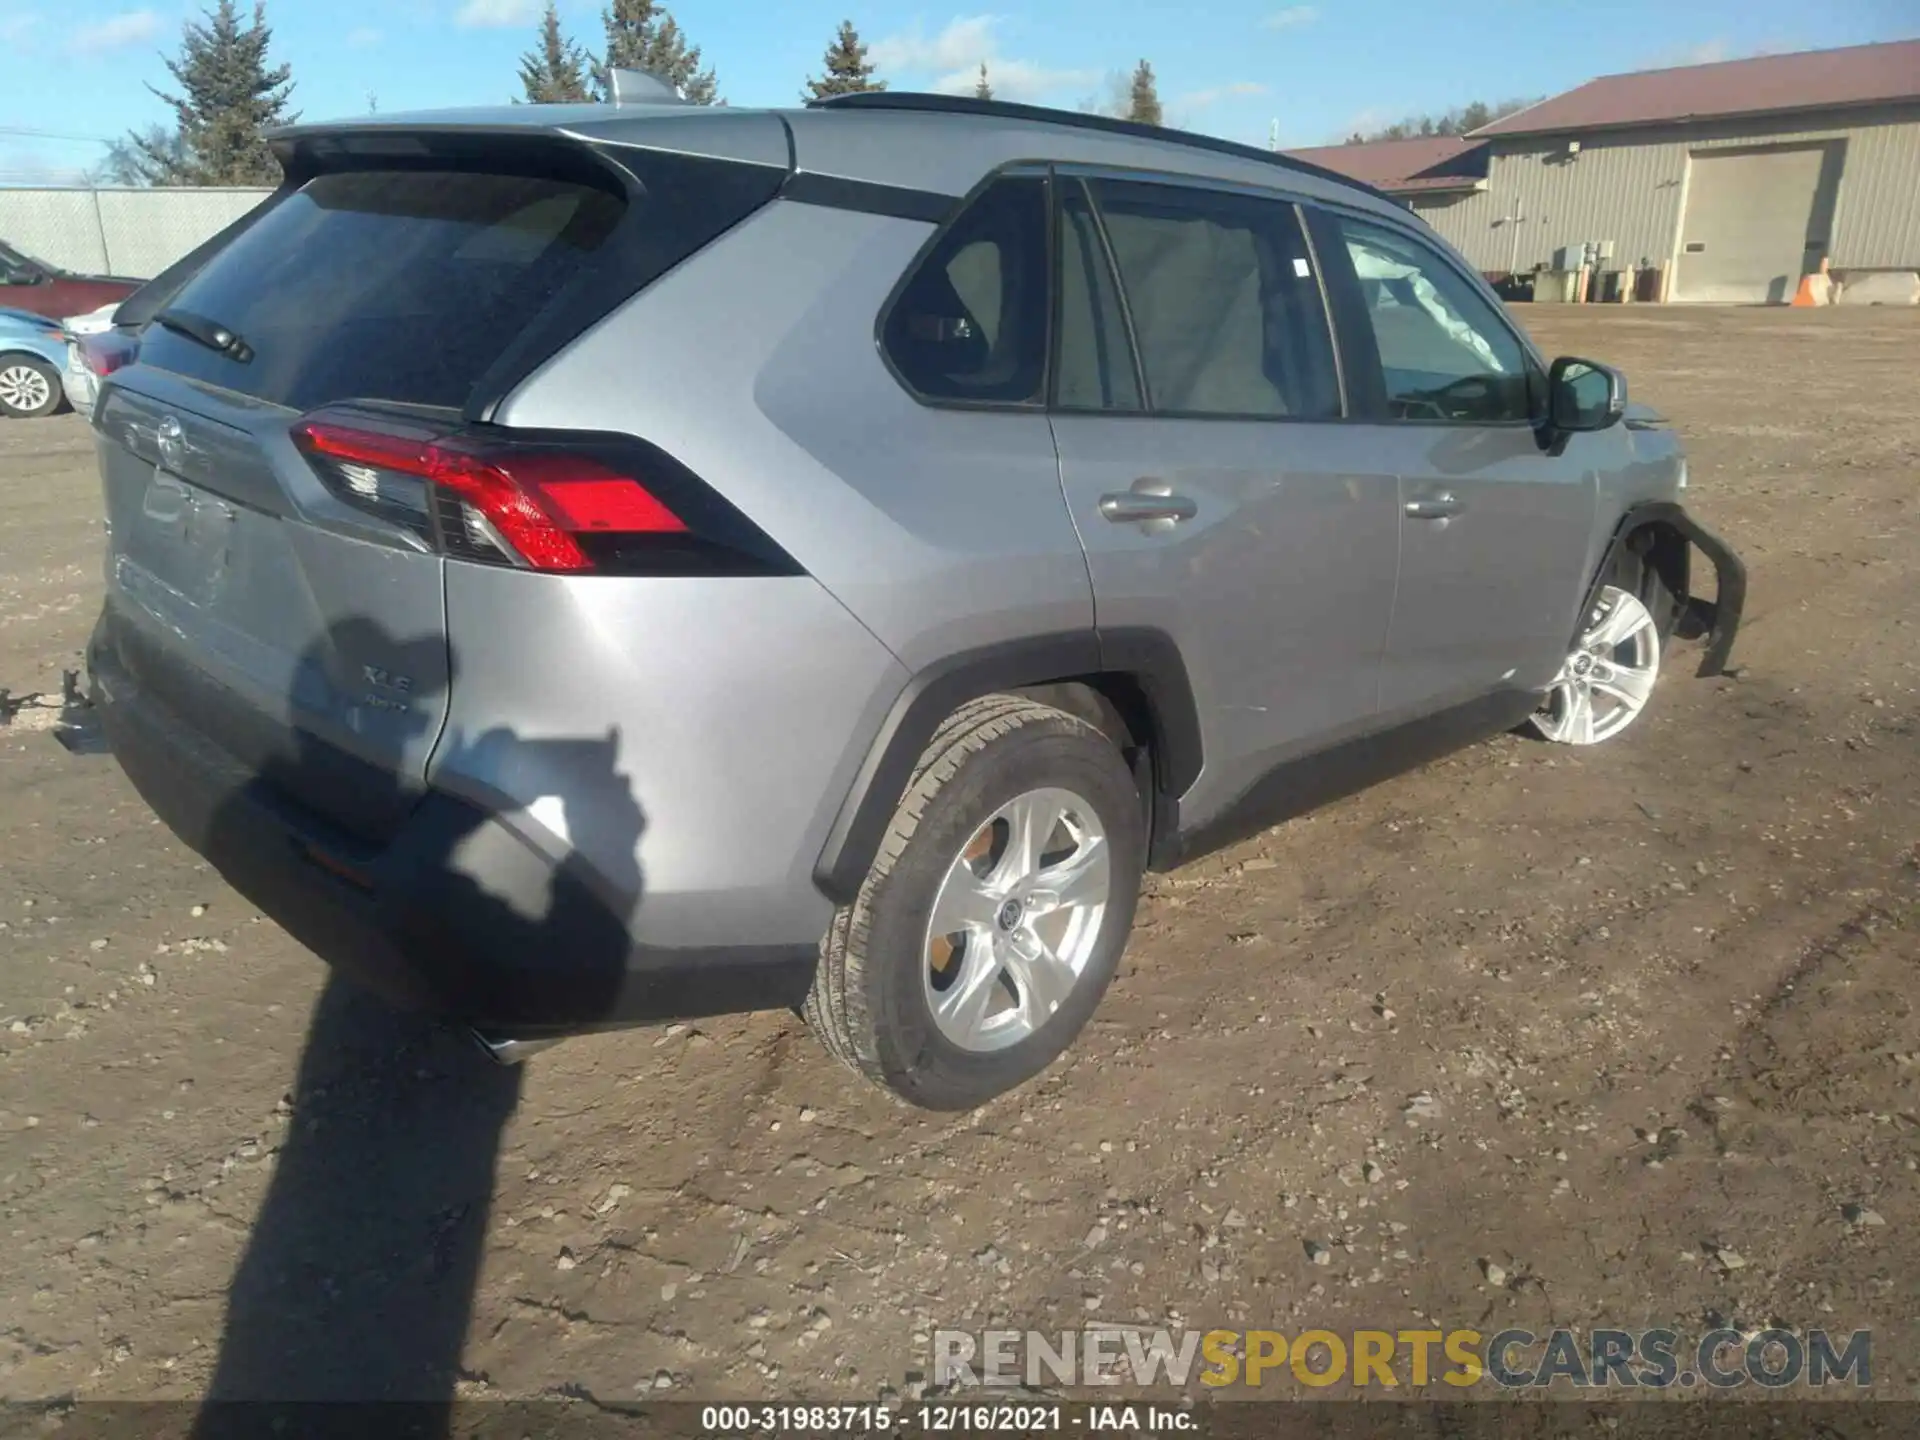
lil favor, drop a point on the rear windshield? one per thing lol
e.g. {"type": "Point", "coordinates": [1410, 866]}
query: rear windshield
{"type": "Point", "coordinates": [388, 285]}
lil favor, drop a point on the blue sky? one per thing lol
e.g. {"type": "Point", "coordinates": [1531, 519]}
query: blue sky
{"type": "Point", "coordinates": [77, 70]}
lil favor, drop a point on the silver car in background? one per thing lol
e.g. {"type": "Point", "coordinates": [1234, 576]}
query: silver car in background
{"type": "Point", "coordinates": [93, 352]}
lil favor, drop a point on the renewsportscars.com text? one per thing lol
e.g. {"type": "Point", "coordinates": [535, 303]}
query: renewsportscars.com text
{"type": "Point", "coordinates": [1512, 1359]}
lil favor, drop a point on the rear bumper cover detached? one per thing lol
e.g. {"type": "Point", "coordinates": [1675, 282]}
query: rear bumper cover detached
{"type": "Point", "coordinates": [455, 914]}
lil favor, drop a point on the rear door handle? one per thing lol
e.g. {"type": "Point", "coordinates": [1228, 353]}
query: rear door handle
{"type": "Point", "coordinates": [1142, 506]}
{"type": "Point", "coordinates": [1434, 507]}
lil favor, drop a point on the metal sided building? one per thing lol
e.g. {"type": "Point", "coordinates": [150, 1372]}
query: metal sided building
{"type": "Point", "coordinates": [1732, 179]}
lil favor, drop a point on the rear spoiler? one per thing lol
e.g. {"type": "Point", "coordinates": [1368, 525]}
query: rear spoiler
{"type": "Point", "coordinates": [472, 137]}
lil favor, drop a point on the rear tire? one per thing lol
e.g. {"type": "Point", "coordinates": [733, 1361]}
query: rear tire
{"type": "Point", "coordinates": [29, 387]}
{"type": "Point", "coordinates": [930, 1017]}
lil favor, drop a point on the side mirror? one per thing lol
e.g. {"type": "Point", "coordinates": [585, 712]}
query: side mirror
{"type": "Point", "coordinates": [1584, 394]}
{"type": "Point", "coordinates": [24, 275]}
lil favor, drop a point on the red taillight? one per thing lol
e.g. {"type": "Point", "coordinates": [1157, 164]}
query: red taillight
{"type": "Point", "coordinates": [540, 500]}
{"type": "Point", "coordinates": [107, 352]}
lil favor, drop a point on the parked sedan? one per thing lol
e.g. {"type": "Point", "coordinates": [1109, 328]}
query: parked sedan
{"type": "Point", "coordinates": [33, 351]}
{"type": "Point", "coordinates": [34, 285]}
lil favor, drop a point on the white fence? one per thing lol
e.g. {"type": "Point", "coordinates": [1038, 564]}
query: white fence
{"type": "Point", "coordinates": [132, 232]}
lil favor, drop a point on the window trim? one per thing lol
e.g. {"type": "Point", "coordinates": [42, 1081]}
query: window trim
{"type": "Point", "coordinates": [1084, 173]}
{"type": "Point", "coordinates": [1362, 338]}
{"type": "Point", "coordinates": [1112, 268]}
{"type": "Point", "coordinates": [1040, 170]}
{"type": "Point", "coordinates": [1326, 307]}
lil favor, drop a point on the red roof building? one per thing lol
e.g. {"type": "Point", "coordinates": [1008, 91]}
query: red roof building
{"type": "Point", "coordinates": [1731, 179]}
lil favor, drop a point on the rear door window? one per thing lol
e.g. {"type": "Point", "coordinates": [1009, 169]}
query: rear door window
{"type": "Point", "coordinates": [1224, 299]}
{"type": "Point", "coordinates": [970, 323]}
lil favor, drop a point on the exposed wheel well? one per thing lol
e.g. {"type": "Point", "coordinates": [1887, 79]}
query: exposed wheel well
{"type": "Point", "coordinates": [1665, 551]}
{"type": "Point", "coordinates": [1117, 706]}
{"type": "Point", "coordinates": [1665, 536]}
{"type": "Point", "coordinates": [1092, 699]}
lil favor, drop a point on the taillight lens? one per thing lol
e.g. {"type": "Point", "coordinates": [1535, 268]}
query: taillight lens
{"type": "Point", "coordinates": [545, 501]}
{"type": "Point", "coordinates": [106, 352]}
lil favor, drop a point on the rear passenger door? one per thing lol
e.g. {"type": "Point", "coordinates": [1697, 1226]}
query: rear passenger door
{"type": "Point", "coordinates": [1496, 523]}
{"type": "Point", "coordinates": [1220, 495]}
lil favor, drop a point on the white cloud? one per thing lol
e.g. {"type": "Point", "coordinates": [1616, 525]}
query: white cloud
{"type": "Point", "coordinates": [496, 14]}
{"type": "Point", "coordinates": [1201, 99]}
{"type": "Point", "coordinates": [15, 24]}
{"type": "Point", "coordinates": [953, 58]}
{"type": "Point", "coordinates": [116, 32]}
{"type": "Point", "coordinates": [965, 42]}
{"type": "Point", "coordinates": [1291, 18]}
{"type": "Point", "coordinates": [1712, 52]}
{"type": "Point", "coordinates": [364, 38]}
{"type": "Point", "coordinates": [1708, 52]}
{"type": "Point", "coordinates": [1015, 80]}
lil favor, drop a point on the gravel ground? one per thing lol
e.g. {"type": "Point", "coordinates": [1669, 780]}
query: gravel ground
{"type": "Point", "coordinates": [1532, 1037]}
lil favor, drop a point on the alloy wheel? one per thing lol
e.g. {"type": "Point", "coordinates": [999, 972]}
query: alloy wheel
{"type": "Point", "coordinates": [1016, 919]}
{"type": "Point", "coordinates": [1605, 682]}
{"type": "Point", "coordinates": [24, 388]}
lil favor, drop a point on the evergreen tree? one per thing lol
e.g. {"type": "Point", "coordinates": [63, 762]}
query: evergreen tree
{"type": "Point", "coordinates": [1465, 120]}
{"type": "Point", "coordinates": [1143, 96]}
{"type": "Point", "coordinates": [982, 90]}
{"type": "Point", "coordinates": [555, 71]}
{"type": "Point", "coordinates": [229, 98]}
{"type": "Point", "coordinates": [643, 36]}
{"type": "Point", "coordinates": [848, 70]}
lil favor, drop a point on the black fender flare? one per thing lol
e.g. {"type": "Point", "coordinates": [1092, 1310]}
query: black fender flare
{"type": "Point", "coordinates": [1720, 620]}
{"type": "Point", "coordinates": [1147, 658]}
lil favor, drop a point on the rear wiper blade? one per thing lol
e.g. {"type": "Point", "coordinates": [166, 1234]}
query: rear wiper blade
{"type": "Point", "coordinates": [210, 333]}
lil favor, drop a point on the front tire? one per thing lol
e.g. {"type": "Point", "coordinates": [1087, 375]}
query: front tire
{"type": "Point", "coordinates": [995, 914]}
{"type": "Point", "coordinates": [29, 387]}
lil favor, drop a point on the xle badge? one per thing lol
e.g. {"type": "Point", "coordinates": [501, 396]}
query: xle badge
{"type": "Point", "coordinates": [399, 687]}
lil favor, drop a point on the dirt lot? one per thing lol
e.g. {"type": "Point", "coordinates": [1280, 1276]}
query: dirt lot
{"type": "Point", "coordinates": [1659, 999]}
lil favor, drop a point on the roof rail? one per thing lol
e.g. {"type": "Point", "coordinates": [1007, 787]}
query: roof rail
{"type": "Point", "coordinates": [1079, 120]}
{"type": "Point", "coordinates": [641, 87]}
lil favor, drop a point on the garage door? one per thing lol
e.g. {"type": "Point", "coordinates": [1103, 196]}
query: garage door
{"type": "Point", "coordinates": [1756, 221]}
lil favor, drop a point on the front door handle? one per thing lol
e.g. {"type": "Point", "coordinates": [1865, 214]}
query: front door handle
{"type": "Point", "coordinates": [1434, 507]}
{"type": "Point", "coordinates": [1145, 503]}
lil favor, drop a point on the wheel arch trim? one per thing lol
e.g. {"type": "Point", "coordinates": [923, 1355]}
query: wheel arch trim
{"type": "Point", "coordinates": [1720, 620]}
{"type": "Point", "coordinates": [1147, 658]}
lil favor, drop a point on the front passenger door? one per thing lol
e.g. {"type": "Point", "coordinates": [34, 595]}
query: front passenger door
{"type": "Point", "coordinates": [1495, 523]}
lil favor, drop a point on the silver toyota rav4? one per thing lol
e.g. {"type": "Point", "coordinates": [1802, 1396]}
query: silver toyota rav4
{"type": "Point", "coordinates": [581, 566]}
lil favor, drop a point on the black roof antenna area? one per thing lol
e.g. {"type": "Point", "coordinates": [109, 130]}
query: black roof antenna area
{"type": "Point", "coordinates": [1008, 110]}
